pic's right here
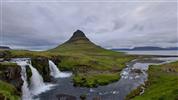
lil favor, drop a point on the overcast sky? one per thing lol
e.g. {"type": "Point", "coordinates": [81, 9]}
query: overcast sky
{"type": "Point", "coordinates": [44, 25]}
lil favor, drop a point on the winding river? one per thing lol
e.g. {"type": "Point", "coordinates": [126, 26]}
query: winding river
{"type": "Point", "coordinates": [131, 77]}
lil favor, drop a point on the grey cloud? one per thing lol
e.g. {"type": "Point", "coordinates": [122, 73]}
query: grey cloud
{"type": "Point", "coordinates": [38, 25]}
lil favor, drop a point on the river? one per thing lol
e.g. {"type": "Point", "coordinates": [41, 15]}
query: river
{"type": "Point", "coordinates": [131, 77]}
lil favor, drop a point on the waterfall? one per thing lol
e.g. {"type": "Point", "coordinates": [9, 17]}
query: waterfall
{"type": "Point", "coordinates": [36, 81]}
{"type": "Point", "coordinates": [55, 72]}
{"type": "Point", "coordinates": [37, 85]}
{"type": "Point", "coordinates": [26, 94]}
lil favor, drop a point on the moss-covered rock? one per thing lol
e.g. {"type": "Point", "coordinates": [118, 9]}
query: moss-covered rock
{"type": "Point", "coordinates": [11, 73]}
{"type": "Point", "coordinates": [42, 65]}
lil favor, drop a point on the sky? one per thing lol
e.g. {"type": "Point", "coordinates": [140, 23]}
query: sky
{"type": "Point", "coordinates": [41, 25]}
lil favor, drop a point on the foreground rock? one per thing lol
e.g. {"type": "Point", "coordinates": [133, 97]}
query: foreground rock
{"type": "Point", "coordinates": [11, 73]}
{"type": "Point", "coordinates": [42, 65]}
{"type": "Point", "coordinates": [66, 97]}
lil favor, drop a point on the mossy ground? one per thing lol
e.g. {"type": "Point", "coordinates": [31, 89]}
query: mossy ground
{"type": "Point", "coordinates": [162, 83]}
{"type": "Point", "coordinates": [4, 65]}
{"type": "Point", "coordinates": [95, 80]}
{"type": "Point", "coordinates": [8, 91]}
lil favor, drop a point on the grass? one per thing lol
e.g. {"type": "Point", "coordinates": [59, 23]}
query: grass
{"type": "Point", "coordinates": [162, 83]}
{"type": "Point", "coordinates": [95, 80]}
{"type": "Point", "coordinates": [8, 91]}
{"type": "Point", "coordinates": [8, 64]}
{"type": "Point", "coordinates": [4, 65]}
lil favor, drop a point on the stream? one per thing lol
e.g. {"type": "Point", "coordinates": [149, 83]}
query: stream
{"type": "Point", "coordinates": [61, 87]}
{"type": "Point", "coordinates": [131, 77]}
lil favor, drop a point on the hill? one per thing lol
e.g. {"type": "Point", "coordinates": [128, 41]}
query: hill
{"type": "Point", "coordinates": [92, 64]}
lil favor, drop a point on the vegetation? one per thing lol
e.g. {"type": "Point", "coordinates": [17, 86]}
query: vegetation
{"type": "Point", "coordinates": [162, 83]}
{"type": "Point", "coordinates": [8, 92]}
{"type": "Point", "coordinates": [4, 65]}
{"type": "Point", "coordinates": [95, 80]}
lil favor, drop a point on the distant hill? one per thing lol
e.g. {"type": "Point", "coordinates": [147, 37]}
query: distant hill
{"type": "Point", "coordinates": [148, 48]}
{"type": "Point", "coordinates": [5, 48]}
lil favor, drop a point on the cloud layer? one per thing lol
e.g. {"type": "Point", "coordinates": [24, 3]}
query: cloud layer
{"type": "Point", "coordinates": [43, 25]}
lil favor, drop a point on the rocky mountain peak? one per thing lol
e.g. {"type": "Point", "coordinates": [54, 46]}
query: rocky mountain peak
{"type": "Point", "coordinates": [78, 35]}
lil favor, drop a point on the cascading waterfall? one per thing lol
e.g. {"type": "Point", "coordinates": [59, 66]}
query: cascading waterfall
{"type": "Point", "coordinates": [26, 94]}
{"type": "Point", "coordinates": [55, 72]}
{"type": "Point", "coordinates": [37, 84]}
{"type": "Point", "coordinates": [36, 81]}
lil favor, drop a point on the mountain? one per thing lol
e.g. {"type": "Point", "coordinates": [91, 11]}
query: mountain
{"type": "Point", "coordinates": [78, 35]}
{"type": "Point", "coordinates": [148, 48]}
{"type": "Point", "coordinates": [5, 48]}
{"type": "Point", "coordinates": [78, 43]}
{"type": "Point", "coordinates": [89, 61]}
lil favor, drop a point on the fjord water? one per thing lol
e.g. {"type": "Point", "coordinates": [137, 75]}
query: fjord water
{"type": "Point", "coordinates": [55, 72]}
{"type": "Point", "coordinates": [152, 52]}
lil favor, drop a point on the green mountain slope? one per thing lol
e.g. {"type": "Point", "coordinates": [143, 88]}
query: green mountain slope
{"type": "Point", "coordinates": [79, 43]}
{"type": "Point", "coordinates": [90, 62]}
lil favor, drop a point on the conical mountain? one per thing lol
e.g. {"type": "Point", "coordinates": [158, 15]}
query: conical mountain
{"type": "Point", "coordinates": [78, 36]}
{"type": "Point", "coordinates": [77, 43]}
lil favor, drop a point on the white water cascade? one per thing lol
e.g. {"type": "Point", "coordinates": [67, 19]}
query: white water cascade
{"type": "Point", "coordinates": [37, 84]}
{"type": "Point", "coordinates": [56, 73]}
{"type": "Point", "coordinates": [26, 94]}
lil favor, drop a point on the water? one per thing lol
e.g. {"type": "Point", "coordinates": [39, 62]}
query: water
{"type": "Point", "coordinates": [26, 94]}
{"type": "Point", "coordinates": [131, 77]}
{"type": "Point", "coordinates": [153, 52]}
{"type": "Point", "coordinates": [56, 73]}
{"type": "Point", "coordinates": [37, 84]}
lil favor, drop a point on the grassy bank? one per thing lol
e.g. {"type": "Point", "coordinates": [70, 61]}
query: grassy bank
{"type": "Point", "coordinates": [95, 80]}
{"type": "Point", "coordinates": [8, 91]}
{"type": "Point", "coordinates": [162, 83]}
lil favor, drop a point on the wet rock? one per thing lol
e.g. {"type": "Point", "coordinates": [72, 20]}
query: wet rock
{"type": "Point", "coordinates": [136, 71]}
{"type": "Point", "coordinates": [2, 97]}
{"type": "Point", "coordinates": [97, 98]}
{"type": "Point", "coordinates": [83, 97]}
{"type": "Point", "coordinates": [65, 97]}
{"type": "Point", "coordinates": [56, 59]}
{"type": "Point", "coordinates": [42, 65]}
{"type": "Point", "coordinates": [12, 75]}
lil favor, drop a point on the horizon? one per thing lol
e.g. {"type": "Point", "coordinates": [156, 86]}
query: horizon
{"type": "Point", "coordinates": [41, 26]}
